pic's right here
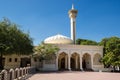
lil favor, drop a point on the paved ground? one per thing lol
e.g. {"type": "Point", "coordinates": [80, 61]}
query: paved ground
{"type": "Point", "coordinates": [76, 75]}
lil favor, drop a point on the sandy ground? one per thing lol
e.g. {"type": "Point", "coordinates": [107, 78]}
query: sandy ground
{"type": "Point", "coordinates": [75, 75]}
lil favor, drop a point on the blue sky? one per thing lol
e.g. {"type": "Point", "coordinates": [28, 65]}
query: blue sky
{"type": "Point", "coordinates": [96, 19]}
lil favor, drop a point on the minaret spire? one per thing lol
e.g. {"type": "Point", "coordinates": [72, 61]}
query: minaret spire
{"type": "Point", "coordinates": [72, 14]}
{"type": "Point", "coordinates": [72, 6]}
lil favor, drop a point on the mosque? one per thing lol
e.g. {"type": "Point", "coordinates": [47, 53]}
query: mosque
{"type": "Point", "coordinates": [69, 57]}
{"type": "Point", "coordinates": [72, 56]}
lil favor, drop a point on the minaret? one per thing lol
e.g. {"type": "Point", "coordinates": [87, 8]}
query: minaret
{"type": "Point", "coordinates": [72, 14]}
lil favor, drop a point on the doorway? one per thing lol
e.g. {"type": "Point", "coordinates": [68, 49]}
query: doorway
{"type": "Point", "coordinates": [25, 61]}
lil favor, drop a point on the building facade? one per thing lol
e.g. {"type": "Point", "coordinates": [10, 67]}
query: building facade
{"type": "Point", "coordinates": [76, 57]}
{"type": "Point", "coordinates": [16, 61]}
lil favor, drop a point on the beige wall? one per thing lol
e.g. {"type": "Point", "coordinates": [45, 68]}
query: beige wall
{"type": "Point", "coordinates": [12, 64]}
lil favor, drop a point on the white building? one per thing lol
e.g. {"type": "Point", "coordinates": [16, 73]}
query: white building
{"type": "Point", "coordinates": [72, 56]}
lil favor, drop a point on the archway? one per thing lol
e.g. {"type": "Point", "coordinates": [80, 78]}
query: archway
{"type": "Point", "coordinates": [96, 59]}
{"type": "Point", "coordinates": [74, 61]}
{"type": "Point", "coordinates": [86, 61]}
{"type": "Point", "coordinates": [62, 61]}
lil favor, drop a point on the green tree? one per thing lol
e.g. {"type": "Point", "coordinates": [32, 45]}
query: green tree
{"type": "Point", "coordinates": [45, 51]}
{"type": "Point", "coordinates": [111, 51]}
{"type": "Point", "coordinates": [108, 59]}
{"type": "Point", "coordinates": [86, 42]}
{"type": "Point", "coordinates": [13, 40]}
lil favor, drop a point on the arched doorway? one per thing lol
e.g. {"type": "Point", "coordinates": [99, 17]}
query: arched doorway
{"type": "Point", "coordinates": [74, 61]}
{"type": "Point", "coordinates": [86, 61]}
{"type": "Point", "coordinates": [96, 59]}
{"type": "Point", "coordinates": [62, 61]}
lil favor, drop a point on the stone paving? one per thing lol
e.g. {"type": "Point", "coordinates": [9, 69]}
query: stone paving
{"type": "Point", "coordinates": [75, 75]}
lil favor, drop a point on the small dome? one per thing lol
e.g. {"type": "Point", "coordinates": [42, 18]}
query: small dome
{"type": "Point", "coordinates": [58, 39]}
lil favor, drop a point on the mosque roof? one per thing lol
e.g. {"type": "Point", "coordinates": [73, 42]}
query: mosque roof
{"type": "Point", "coordinates": [58, 39]}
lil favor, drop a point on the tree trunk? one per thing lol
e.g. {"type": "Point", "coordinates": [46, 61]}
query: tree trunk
{"type": "Point", "coordinates": [1, 60]}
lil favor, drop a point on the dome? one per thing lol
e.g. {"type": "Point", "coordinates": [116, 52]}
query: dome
{"type": "Point", "coordinates": [58, 39]}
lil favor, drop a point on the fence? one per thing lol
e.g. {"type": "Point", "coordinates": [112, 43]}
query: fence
{"type": "Point", "coordinates": [16, 74]}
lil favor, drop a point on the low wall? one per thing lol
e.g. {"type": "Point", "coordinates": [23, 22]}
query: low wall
{"type": "Point", "coordinates": [16, 74]}
{"type": "Point", "coordinates": [98, 67]}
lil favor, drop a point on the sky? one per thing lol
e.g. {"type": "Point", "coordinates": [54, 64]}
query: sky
{"type": "Point", "coordinates": [96, 19]}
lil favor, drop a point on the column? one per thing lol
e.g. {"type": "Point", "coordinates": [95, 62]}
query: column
{"type": "Point", "coordinates": [66, 62]}
{"type": "Point", "coordinates": [80, 61]}
{"type": "Point", "coordinates": [76, 62]}
{"type": "Point", "coordinates": [91, 61]}
{"type": "Point", "coordinates": [69, 62]}
{"type": "Point", "coordinates": [56, 62]}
